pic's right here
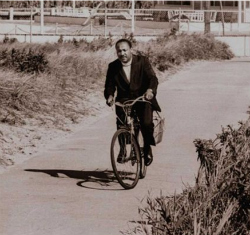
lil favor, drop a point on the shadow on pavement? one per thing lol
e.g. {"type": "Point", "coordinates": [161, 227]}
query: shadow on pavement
{"type": "Point", "coordinates": [99, 180]}
{"type": "Point", "coordinates": [240, 61]}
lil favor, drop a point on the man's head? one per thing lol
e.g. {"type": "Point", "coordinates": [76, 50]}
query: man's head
{"type": "Point", "coordinates": [123, 50]}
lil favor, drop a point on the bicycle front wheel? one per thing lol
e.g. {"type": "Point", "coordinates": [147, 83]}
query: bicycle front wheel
{"type": "Point", "coordinates": [142, 166]}
{"type": "Point", "coordinates": [125, 158]}
{"type": "Point", "coordinates": [142, 161]}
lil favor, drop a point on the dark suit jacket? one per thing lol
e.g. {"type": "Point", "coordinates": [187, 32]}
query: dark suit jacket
{"type": "Point", "coordinates": [142, 78]}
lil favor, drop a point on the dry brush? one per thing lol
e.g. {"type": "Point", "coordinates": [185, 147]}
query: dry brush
{"type": "Point", "coordinates": [219, 202]}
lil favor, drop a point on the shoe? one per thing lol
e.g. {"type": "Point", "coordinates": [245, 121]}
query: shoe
{"type": "Point", "coordinates": [121, 156]}
{"type": "Point", "coordinates": [142, 151]}
{"type": "Point", "coordinates": [148, 161]}
{"type": "Point", "coordinates": [148, 156]}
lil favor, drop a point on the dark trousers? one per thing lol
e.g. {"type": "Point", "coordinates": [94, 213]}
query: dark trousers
{"type": "Point", "coordinates": [144, 112]}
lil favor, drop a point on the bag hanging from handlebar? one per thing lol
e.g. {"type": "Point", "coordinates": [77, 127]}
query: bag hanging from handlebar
{"type": "Point", "coordinates": [159, 126]}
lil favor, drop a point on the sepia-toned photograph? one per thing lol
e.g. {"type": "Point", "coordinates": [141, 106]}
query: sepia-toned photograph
{"type": "Point", "coordinates": [124, 117]}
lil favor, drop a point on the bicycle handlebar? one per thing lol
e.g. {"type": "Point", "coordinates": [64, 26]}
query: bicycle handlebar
{"type": "Point", "coordinates": [130, 103]}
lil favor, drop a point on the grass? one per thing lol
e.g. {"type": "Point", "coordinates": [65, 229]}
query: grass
{"type": "Point", "coordinates": [48, 84]}
{"type": "Point", "coordinates": [56, 91]}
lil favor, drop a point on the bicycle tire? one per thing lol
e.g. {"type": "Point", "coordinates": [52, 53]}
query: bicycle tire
{"type": "Point", "coordinates": [127, 171]}
{"type": "Point", "coordinates": [143, 167]}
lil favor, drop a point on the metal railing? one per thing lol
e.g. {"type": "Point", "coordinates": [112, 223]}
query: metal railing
{"type": "Point", "coordinates": [87, 21]}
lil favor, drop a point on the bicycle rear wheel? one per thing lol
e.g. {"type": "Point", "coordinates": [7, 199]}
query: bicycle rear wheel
{"type": "Point", "coordinates": [125, 158]}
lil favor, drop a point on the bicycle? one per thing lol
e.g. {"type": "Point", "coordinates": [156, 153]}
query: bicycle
{"type": "Point", "coordinates": [126, 147]}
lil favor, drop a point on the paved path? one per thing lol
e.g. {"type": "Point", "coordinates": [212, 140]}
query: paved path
{"type": "Point", "coordinates": [69, 188]}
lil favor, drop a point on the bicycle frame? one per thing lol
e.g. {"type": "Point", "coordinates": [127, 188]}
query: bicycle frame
{"type": "Point", "coordinates": [128, 137]}
{"type": "Point", "coordinates": [127, 108]}
{"type": "Point", "coordinates": [129, 122]}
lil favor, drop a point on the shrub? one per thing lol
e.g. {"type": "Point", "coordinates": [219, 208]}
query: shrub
{"type": "Point", "coordinates": [97, 44]}
{"type": "Point", "coordinates": [219, 203]}
{"type": "Point", "coordinates": [171, 50]}
{"type": "Point", "coordinates": [24, 61]}
{"type": "Point", "coordinates": [9, 40]}
{"type": "Point", "coordinates": [60, 40]}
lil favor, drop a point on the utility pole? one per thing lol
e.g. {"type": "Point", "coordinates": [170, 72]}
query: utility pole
{"type": "Point", "coordinates": [207, 15]}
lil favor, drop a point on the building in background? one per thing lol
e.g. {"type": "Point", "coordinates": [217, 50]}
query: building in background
{"type": "Point", "coordinates": [237, 11]}
{"type": "Point", "coordinates": [199, 5]}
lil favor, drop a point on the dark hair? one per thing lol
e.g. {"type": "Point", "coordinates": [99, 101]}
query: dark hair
{"type": "Point", "coordinates": [123, 40]}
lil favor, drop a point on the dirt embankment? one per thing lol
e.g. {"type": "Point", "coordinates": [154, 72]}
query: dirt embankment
{"type": "Point", "coordinates": [21, 142]}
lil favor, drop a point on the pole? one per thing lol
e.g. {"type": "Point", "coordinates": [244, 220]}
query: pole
{"type": "Point", "coordinates": [244, 9]}
{"type": "Point", "coordinates": [179, 20]}
{"type": "Point", "coordinates": [219, 27]}
{"type": "Point", "coordinates": [245, 45]}
{"type": "Point", "coordinates": [31, 10]}
{"type": "Point", "coordinates": [11, 14]}
{"type": "Point", "coordinates": [91, 27]}
{"type": "Point", "coordinates": [222, 18]}
{"type": "Point", "coordinates": [207, 17]}
{"type": "Point", "coordinates": [74, 8]}
{"type": "Point", "coordinates": [105, 22]}
{"type": "Point", "coordinates": [42, 16]}
{"type": "Point", "coordinates": [133, 16]}
{"type": "Point", "coordinates": [239, 14]}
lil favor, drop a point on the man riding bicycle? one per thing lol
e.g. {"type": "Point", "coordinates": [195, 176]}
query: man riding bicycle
{"type": "Point", "coordinates": [131, 76]}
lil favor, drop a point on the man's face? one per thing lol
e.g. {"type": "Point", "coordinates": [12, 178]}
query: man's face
{"type": "Point", "coordinates": [123, 52]}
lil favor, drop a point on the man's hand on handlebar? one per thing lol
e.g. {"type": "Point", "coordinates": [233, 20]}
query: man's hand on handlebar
{"type": "Point", "coordinates": [149, 94]}
{"type": "Point", "coordinates": [110, 101]}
